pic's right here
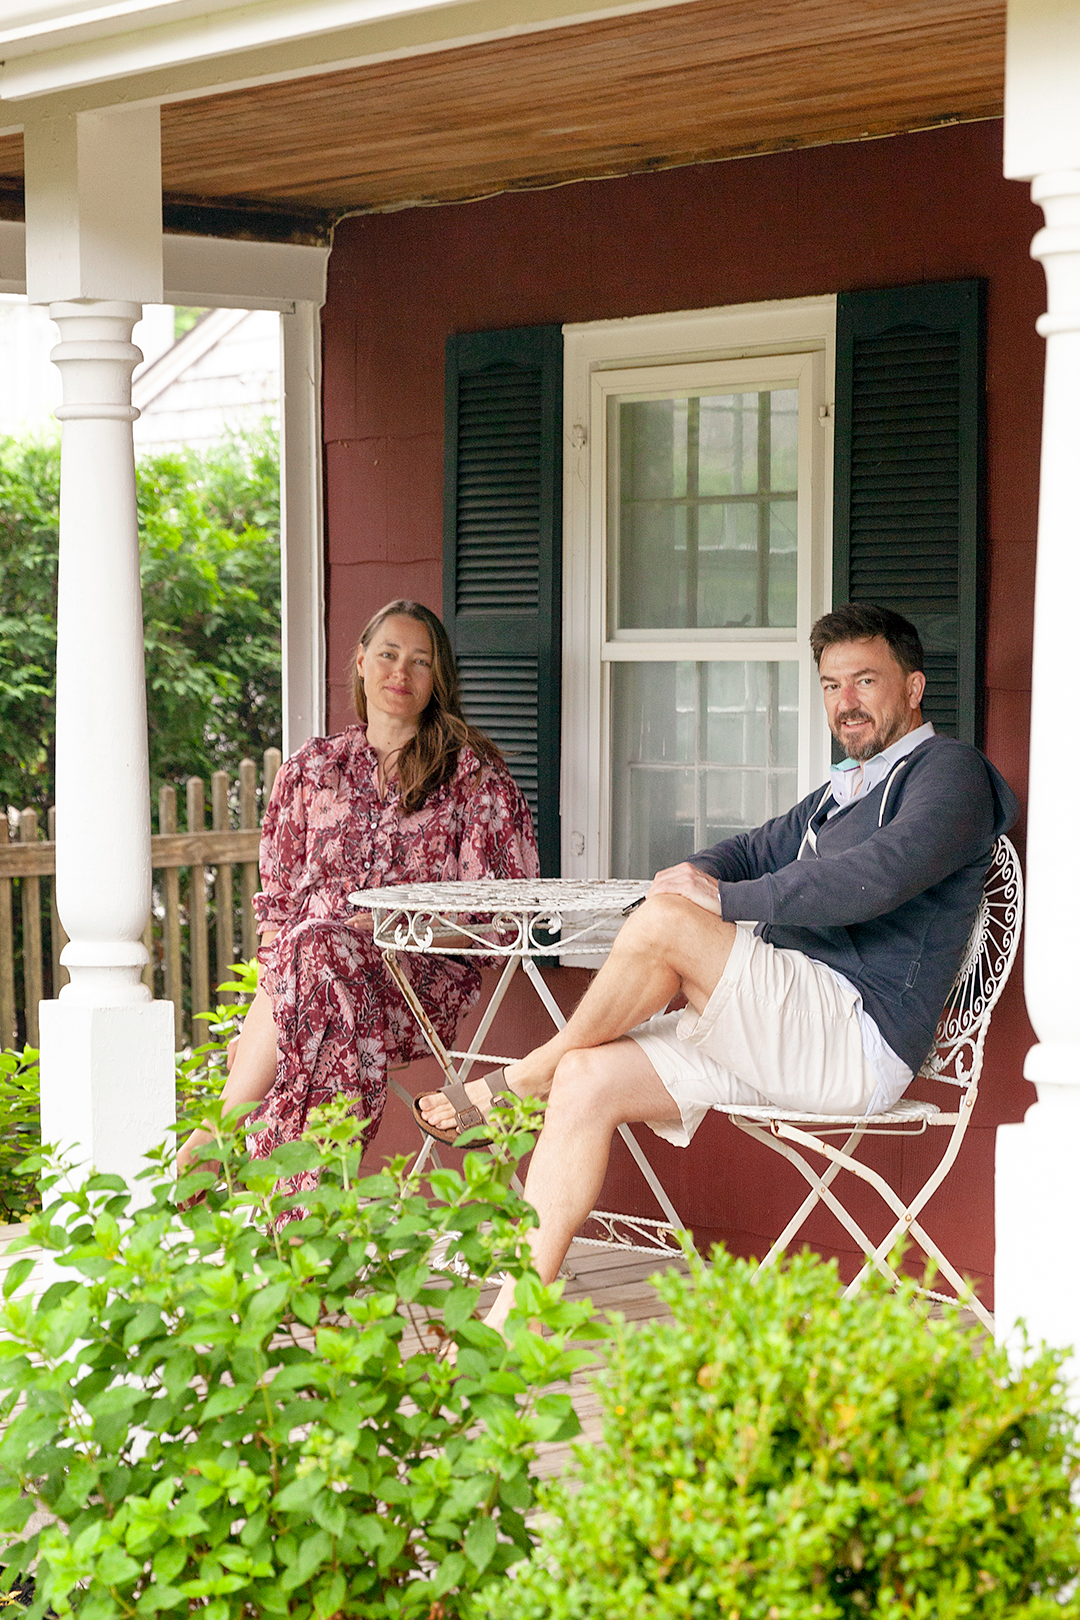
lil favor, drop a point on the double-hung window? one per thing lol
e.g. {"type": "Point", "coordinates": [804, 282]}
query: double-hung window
{"type": "Point", "coordinates": [697, 457]}
{"type": "Point", "coordinates": [657, 494]}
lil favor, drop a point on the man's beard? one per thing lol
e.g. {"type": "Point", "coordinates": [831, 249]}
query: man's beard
{"type": "Point", "coordinates": [890, 730]}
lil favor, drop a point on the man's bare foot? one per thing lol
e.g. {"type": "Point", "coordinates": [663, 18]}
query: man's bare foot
{"type": "Point", "coordinates": [440, 1114]}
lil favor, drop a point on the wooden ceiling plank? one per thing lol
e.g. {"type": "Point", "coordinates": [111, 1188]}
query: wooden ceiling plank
{"type": "Point", "coordinates": [690, 83]}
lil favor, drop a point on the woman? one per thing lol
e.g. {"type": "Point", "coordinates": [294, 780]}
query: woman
{"type": "Point", "coordinates": [412, 794]}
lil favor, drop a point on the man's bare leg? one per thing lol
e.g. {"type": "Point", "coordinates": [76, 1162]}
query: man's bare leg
{"type": "Point", "coordinates": [670, 944]}
{"type": "Point", "coordinates": [592, 1093]}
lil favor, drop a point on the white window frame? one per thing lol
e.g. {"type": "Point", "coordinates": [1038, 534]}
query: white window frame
{"type": "Point", "coordinates": [217, 273]}
{"type": "Point", "coordinates": [787, 341]}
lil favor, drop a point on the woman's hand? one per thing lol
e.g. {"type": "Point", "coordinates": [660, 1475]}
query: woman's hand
{"type": "Point", "coordinates": [362, 923]}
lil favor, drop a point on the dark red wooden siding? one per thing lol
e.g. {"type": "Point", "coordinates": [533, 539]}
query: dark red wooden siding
{"type": "Point", "coordinates": [922, 207]}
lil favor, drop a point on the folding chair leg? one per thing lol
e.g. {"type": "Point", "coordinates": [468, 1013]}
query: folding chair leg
{"type": "Point", "coordinates": [905, 1222]}
{"type": "Point", "coordinates": [812, 1199]}
{"type": "Point", "coordinates": [908, 1220]}
{"type": "Point", "coordinates": [781, 1144]}
{"type": "Point", "coordinates": [965, 1294]}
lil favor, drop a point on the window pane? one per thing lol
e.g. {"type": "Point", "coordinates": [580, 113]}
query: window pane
{"type": "Point", "coordinates": [705, 510]}
{"type": "Point", "coordinates": [700, 751]}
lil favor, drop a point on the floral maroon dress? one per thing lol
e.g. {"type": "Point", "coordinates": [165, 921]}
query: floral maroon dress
{"type": "Point", "coordinates": [340, 1018]}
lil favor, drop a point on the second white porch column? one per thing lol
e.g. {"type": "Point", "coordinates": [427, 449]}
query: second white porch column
{"type": "Point", "coordinates": [93, 231]}
{"type": "Point", "coordinates": [1037, 1272]}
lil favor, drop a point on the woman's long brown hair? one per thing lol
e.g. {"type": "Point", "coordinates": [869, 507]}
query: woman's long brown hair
{"type": "Point", "coordinates": [430, 758]}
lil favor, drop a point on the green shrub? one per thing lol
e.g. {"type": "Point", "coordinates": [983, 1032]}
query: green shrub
{"type": "Point", "coordinates": [209, 557]}
{"type": "Point", "coordinates": [200, 1075]}
{"type": "Point", "coordinates": [20, 1131]}
{"type": "Point", "coordinates": [776, 1452]}
{"type": "Point", "coordinates": [218, 1407]}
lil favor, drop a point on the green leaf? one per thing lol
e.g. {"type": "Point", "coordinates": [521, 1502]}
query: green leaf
{"type": "Point", "coordinates": [315, 1550]}
{"type": "Point", "coordinates": [480, 1540]}
{"type": "Point", "coordinates": [460, 1303]}
{"type": "Point", "coordinates": [226, 1398]}
{"type": "Point", "coordinates": [16, 1275]}
{"type": "Point", "coordinates": [146, 1318]}
{"type": "Point", "coordinates": [329, 1596]}
{"type": "Point", "coordinates": [290, 1158]}
{"type": "Point", "coordinates": [449, 1573]}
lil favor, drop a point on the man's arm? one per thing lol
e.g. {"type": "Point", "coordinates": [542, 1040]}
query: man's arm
{"type": "Point", "coordinates": [750, 855]}
{"type": "Point", "coordinates": [944, 820]}
{"type": "Point", "coordinates": [738, 859]}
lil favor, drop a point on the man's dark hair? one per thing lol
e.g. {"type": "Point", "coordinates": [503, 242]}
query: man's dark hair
{"type": "Point", "coordinates": [859, 621]}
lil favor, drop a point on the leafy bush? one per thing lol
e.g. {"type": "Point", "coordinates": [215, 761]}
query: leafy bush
{"type": "Point", "coordinates": [20, 1131]}
{"type": "Point", "coordinates": [208, 530]}
{"type": "Point", "coordinates": [200, 1075]}
{"type": "Point", "coordinates": [222, 1411]}
{"type": "Point", "coordinates": [776, 1452]}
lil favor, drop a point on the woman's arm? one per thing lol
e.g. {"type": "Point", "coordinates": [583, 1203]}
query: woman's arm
{"type": "Point", "coordinates": [497, 837]}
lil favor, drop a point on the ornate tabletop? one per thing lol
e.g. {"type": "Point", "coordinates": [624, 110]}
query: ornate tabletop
{"type": "Point", "coordinates": [522, 917]}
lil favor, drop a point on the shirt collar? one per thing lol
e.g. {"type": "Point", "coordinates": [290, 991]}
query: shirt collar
{"type": "Point", "coordinates": [848, 785]}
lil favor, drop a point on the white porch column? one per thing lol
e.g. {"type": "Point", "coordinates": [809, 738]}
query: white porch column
{"type": "Point", "coordinates": [1037, 1271]}
{"type": "Point", "coordinates": [93, 251]}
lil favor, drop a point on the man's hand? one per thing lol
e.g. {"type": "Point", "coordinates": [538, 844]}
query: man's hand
{"type": "Point", "coordinates": [689, 881]}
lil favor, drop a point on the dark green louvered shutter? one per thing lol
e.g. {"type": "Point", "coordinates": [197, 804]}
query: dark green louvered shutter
{"type": "Point", "coordinates": [502, 550]}
{"type": "Point", "coordinates": [909, 477]}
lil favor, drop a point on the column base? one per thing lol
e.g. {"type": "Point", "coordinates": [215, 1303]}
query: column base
{"type": "Point", "coordinates": [108, 1083]}
{"type": "Point", "coordinates": [1037, 1211]}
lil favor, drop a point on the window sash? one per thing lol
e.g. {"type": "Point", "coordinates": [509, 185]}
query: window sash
{"type": "Point", "coordinates": [656, 357]}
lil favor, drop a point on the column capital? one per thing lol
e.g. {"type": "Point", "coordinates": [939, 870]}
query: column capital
{"type": "Point", "coordinates": [96, 359]}
{"type": "Point", "coordinates": [1057, 247]}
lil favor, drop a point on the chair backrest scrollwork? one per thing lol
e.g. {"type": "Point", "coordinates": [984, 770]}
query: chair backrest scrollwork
{"type": "Point", "coordinates": [957, 1054]}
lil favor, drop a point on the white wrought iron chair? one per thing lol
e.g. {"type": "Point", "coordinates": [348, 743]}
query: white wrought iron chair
{"type": "Point", "coordinates": [955, 1059]}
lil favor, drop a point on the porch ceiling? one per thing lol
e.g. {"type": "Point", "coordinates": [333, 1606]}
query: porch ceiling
{"type": "Point", "coordinates": [681, 84]}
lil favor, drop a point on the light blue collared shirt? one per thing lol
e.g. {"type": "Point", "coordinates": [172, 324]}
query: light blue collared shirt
{"type": "Point", "coordinates": [852, 779]}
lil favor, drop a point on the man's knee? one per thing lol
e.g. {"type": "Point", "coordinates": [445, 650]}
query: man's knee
{"type": "Point", "coordinates": [583, 1087]}
{"type": "Point", "coordinates": [578, 1080]}
{"type": "Point", "coordinates": [659, 926]}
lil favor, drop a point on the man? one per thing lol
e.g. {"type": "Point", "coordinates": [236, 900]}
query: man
{"type": "Point", "coordinates": [863, 896]}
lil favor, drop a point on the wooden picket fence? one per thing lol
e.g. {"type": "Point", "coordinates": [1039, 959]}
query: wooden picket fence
{"type": "Point", "coordinates": [204, 880]}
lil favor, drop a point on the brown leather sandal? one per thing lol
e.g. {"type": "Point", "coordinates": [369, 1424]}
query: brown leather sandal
{"type": "Point", "coordinates": [466, 1113]}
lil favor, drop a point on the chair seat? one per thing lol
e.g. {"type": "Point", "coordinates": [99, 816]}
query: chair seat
{"type": "Point", "coordinates": [905, 1112]}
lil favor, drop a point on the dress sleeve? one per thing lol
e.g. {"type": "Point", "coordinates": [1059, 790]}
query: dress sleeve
{"type": "Point", "coordinates": [282, 848]}
{"type": "Point", "coordinates": [497, 837]}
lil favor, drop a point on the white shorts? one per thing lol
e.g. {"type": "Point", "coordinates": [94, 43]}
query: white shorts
{"type": "Point", "coordinates": [778, 1029]}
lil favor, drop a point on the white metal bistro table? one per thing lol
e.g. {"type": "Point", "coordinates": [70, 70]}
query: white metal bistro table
{"type": "Point", "coordinates": [518, 922]}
